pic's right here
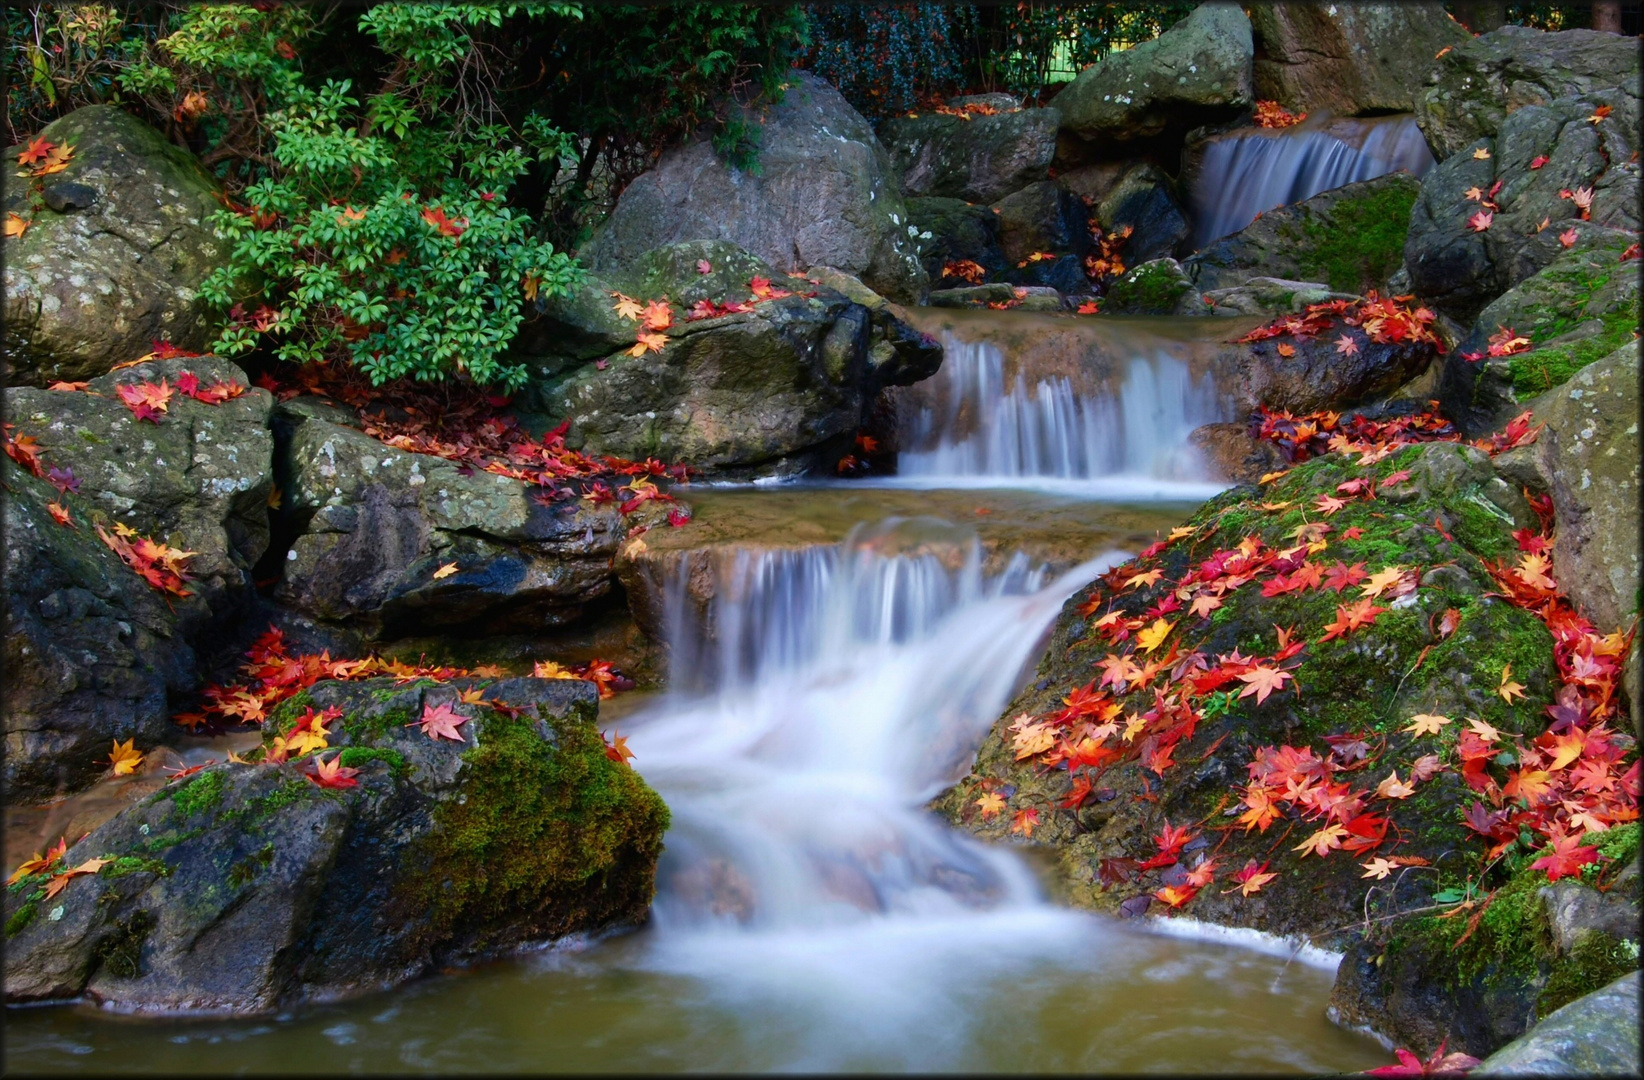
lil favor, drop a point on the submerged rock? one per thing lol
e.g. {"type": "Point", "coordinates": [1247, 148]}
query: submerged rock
{"type": "Point", "coordinates": [980, 157]}
{"type": "Point", "coordinates": [116, 257]}
{"type": "Point", "coordinates": [1194, 72]}
{"type": "Point", "coordinates": [1349, 59]}
{"type": "Point", "coordinates": [250, 887]}
{"type": "Point", "coordinates": [825, 193]}
{"type": "Point", "coordinates": [1484, 81]}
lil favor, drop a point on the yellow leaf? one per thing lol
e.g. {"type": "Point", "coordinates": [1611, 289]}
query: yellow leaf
{"type": "Point", "coordinates": [991, 804]}
{"type": "Point", "coordinates": [1427, 723]}
{"type": "Point", "coordinates": [1508, 690]}
{"type": "Point", "coordinates": [648, 343]}
{"type": "Point", "coordinates": [16, 226]}
{"type": "Point", "coordinates": [445, 571]}
{"type": "Point", "coordinates": [1394, 788]}
{"type": "Point", "coordinates": [125, 758]}
{"type": "Point", "coordinates": [1481, 154]}
{"type": "Point", "coordinates": [1268, 478]}
{"type": "Point", "coordinates": [1154, 636]}
{"type": "Point", "coordinates": [1378, 868]}
{"type": "Point", "coordinates": [627, 307]}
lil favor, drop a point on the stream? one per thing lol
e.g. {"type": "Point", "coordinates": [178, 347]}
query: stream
{"type": "Point", "coordinates": [811, 914]}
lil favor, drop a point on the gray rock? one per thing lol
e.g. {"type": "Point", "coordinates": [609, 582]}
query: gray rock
{"type": "Point", "coordinates": [1596, 1035]}
{"type": "Point", "coordinates": [1191, 74]}
{"type": "Point", "coordinates": [959, 231]}
{"type": "Point", "coordinates": [825, 193]}
{"type": "Point", "coordinates": [1143, 200]}
{"type": "Point", "coordinates": [1459, 269]}
{"type": "Point", "coordinates": [1233, 454]}
{"type": "Point", "coordinates": [1160, 287]}
{"type": "Point", "coordinates": [974, 295]}
{"type": "Point", "coordinates": [115, 259]}
{"type": "Point", "coordinates": [92, 652]}
{"type": "Point", "coordinates": [1352, 238]}
{"type": "Point", "coordinates": [199, 480]}
{"type": "Point", "coordinates": [1268, 296]}
{"type": "Point", "coordinates": [250, 888]}
{"type": "Point", "coordinates": [380, 522]}
{"type": "Point", "coordinates": [1476, 87]}
{"type": "Point", "coordinates": [979, 158]}
{"type": "Point", "coordinates": [1349, 59]}
{"type": "Point", "coordinates": [1574, 909]}
{"type": "Point", "coordinates": [1041, 217]}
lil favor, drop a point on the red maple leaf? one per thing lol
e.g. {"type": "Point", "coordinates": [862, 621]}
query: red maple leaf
{"type": "Point", "coordinates": [1566, 859]}
{"type": "Point", "coordinates": [441, 722]}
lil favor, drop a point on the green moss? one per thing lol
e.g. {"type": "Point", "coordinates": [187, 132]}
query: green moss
{"type": "Point", "coordinates": [132, 864]}
{"type": "Point", "coordinates": [355, 756]}
{"type": "Point", "coordinates": [284, 715]}
{"type": "Point", "coordinates": [1510, 942]}
{"type": "Point", "coordinates": [1151, 290]}
{"type": "Point", "coordinates": [201, 794]}
{"type": "Point", "coordinates": [536, 822]}
{"type": "Point", "coordinates": [246, 870]}
{"type": "Point", "coordinates": [1364, 243]}
{"type": "Point", "coordinates": [265, 806]}
{"type": "Point", "coordinates": [1596, 961]}
{"type": "Point", "coordinates": [371, 728]}
{"type": "Point", "coordinates": [120, 953]}
{"type": "Point", "coordinates": [1620, 842]}
{"type": "Point", "coordinates": [24, 915]}
{"type": "Point", "coordinates": [1540, 370]}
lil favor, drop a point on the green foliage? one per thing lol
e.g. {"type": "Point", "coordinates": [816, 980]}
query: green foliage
{"type": "Point", "coordinates": [395, 250]}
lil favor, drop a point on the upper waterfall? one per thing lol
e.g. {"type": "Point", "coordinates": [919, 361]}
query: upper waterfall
{"type": "Point", "coordinates": [1253, 170]}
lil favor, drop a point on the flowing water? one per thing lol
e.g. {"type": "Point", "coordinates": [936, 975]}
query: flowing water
{"type": "Point", "coordinates": [1253, 170]}
{"type": "Point", "coordinates": [811, 914]}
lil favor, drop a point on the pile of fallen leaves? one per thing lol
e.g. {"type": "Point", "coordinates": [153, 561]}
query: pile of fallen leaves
{"type": "Point", "coordinates": [1270, 114]}
{"type": "Point", "coordinates": [273, 674]}
{"type": "Point", "coordinates": [1155, 688]}
{"type": "Point", "coordinates": [1105, 263]}
{"type": "Point", "coordinates": [40, 159]}
{"type": "Point", "coordinates": [964, 112]}
{"type": "Point", "coordinates": [461, 423]}
{"type": "Point", "coordinates": [1379, 320]}
{"type": "Point", "coordinates": [967, 270]}
{"type": "Point", "coordinates": [1326, 432]}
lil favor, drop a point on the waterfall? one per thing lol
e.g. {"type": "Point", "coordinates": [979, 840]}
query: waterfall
{"type": "Point", "coordinates": [1253, 170]}
{"type": "Point", "coordinates": [973, 427]}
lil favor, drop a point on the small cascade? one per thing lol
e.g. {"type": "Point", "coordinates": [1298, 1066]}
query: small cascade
{"type": "Point", "coordinates": [977, 427]}
{"type": "Point", "coordinates": [837, 689]}
{"type": "Point", "coordinates": [1254, 170]}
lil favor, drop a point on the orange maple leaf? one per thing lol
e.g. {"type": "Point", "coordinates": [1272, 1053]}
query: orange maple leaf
{"type": "Point", "coordinates": [1262, 681]}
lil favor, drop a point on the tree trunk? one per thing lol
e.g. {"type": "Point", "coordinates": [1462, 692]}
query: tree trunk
{"type": "Point", "coordinates": [1607, 16]}
{"type": "Point", "coordinates": [1480, 16]}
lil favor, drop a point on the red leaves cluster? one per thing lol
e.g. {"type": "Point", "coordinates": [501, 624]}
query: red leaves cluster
{"type": "Point", "coordinates": [1385, 321]}
{"type": "Point", "coordinates": [165, 568]}
{"type": "Point", "coordinates": [1304, 437]}
{"type": "Point", "coordinates": [1270, 114]}
{"type": "Point", "coordinates": [462, 424]}
{"type": "Point", "coordinates": [967, 270]}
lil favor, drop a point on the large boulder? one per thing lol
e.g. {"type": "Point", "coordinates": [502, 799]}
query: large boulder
{"type": "Point", "coordinates": [1349, 59]}
{"type": "Point", "coordinates": [979, 157]}
{"type": "Point", "coordinates": [1479, 84]}
{"type": "Point", "coordinates": [1042, 217]}
{"type": "Point", "coordinates": [1580, 308]}
{"type": "Point", "coordinates": [825, 194]}
{"type": "Point", "coordinates": [1351, 238]}
{"type": "Point", "coordinates": [1193, 73]}
{"type": "Point", "coordinates": [1143, 200]}
{"type": "Point", "coordinates": [199, 480]}
{"type": "Point", "coordinates": [376, 524]}
{"type": "Point", "coordinates": [1158, 287]}
{"type": "Point", "coordinates": [93, 654]}
{"type": "Point", "coordinates": [1543, 156]}
{"type": "Point", "coordinates": [960, 232]}
{"type": "Point", "coordinates": [251, 887]}
{"type": "Point", "coordinates": [115, 256]}
{"type": "Point", "coordinates": [1596, 1035]}
{"type": "Point", "coordinates": [767, 388]}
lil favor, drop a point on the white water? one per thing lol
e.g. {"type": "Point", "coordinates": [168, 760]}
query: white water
{"type": "Point", "coordinates": [1132, 444]}
{"type": "Point", "coordinates": [1257, 170]}
{"type": "Point", "coordinates": [840, 689]}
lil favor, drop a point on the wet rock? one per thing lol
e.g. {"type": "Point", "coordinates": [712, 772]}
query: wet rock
{"type": "Point", "coordinates": [826, 194]}
{"type": "Point", "coordinates": [92, 652]}
{"type": "Point", "coordinates": [200, 480]}
{"type": "Point", "coordinates": [115, 258]}
{"type": "Point", "coordinates": [1596, 1035]}
{"type": "Point", "coordinates": [959, 231]}
{"type": "Point", "coordinates": [1232, 453]}
{"type": "Point", "coordinates": [377, 523]}
{"type": "Point", "coordinates": [1268, 296]}
{"type": "Point", "coordinates": [249, 887]}
{"type": "Point", "coordinates": [1318, 377]}
{"type": "Point", "coordinates": [1582, 306]}
{"type": "Point", "coordinates": [1351, 238]}
{"type": "Point", "coordinates": [1460, 269]}
{"type": "Point", "coordinates": [1348, 59]}
{"type": "Point", "coordinates": [1483, 82]}
{"type": "Point", "coordinates": [1144, 200]}
{"type": "Point", "coordinates": [1042, 217]}
{"type": "Point", "coordinates": [1160, 287]}
{"type": "Point", "coordinates": [765, 389]}
{"type": "Point", "coordinates": [1199, 68]}
{"type": "Point", "coordinates": [973, 295]}
{"type": "Point", "coordinates": [1574, 909]}
{"type": "Point", "coordinates": [979, 158]}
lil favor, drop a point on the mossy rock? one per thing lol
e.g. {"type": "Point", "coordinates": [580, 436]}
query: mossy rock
{"type": "Point", "coordinates": [1453, 513]}
{"type": "Point", "coordinates": [250, 887]}
{"type": "Point", "coordinates": [1159, 287]}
